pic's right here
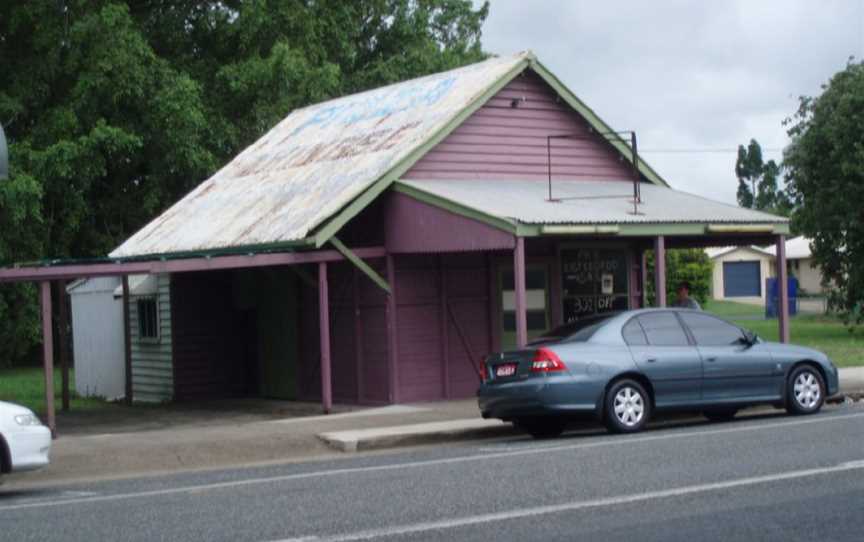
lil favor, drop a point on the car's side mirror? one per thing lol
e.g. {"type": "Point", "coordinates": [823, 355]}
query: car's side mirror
{"type": "Point", "coordinates": [749, 338]}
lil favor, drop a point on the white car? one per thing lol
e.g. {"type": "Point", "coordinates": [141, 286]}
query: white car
{"type": "Point", "coordinates": [25, 443]}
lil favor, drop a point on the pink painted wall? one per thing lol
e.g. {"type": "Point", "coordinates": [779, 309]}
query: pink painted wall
{"type": "Point", "coordinates": [443, 324]}
{"type": "Point", "coordinates": [468, 320]}
{"type": "Point", "coordinates": [418, 329]}
{"type": "Point", "coordinates": [502, 142]}
{"type": "Point", "coordinates": [413, 226]}
{"type": "Point", "coordinates": [358, 333]}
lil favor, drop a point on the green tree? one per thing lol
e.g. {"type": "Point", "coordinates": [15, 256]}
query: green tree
{"type": "Point", "coordinates": [690, 265]}
{"type": "Point", "coordinates": [748, 168]}
{"type": "Point", "coordinates": [825, 172]}
{"type": "Point", "coordinates": [757, 181]}
{"type": "Point", "coordinates": [115, 109]}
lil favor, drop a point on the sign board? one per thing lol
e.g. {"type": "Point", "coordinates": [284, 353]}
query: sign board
{"type": "Point", "coordinates": [594, 281]}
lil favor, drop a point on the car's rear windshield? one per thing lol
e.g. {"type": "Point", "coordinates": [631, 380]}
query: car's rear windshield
{"type": "Point", "coordinates": [579, 330]}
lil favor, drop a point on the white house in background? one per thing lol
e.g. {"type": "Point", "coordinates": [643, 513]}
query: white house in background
{"type": "Point", "coordinates": [739, 273]}
{"type": "Point", "coordinates": [97, 336]}
{"type": "Point", "coordinates": [801, 265]}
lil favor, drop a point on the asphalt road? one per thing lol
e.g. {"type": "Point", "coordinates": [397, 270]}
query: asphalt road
{"type": "Point", "coordinates": [763, 478]}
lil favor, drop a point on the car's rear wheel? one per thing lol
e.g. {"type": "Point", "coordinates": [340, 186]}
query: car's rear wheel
{"type": "Point", "coordinates": [720, 414]}
{"type": "Point", "coordinates": [541, 428]}
{"type": "Point", "coordinates": [805, 391]}
{"type": "Point", "coordinates": [628, 407]}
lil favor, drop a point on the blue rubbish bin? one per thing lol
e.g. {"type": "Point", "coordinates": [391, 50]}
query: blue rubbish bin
{"type": "Point", "coordinates": [772, 297]}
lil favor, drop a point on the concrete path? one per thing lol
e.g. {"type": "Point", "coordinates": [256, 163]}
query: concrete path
{"type": "Point", "coordinates": [187, 447]}
{"type": "Point", "coordinates": [235, 443]}
{"type": "Point", "coordinates": [852, 380]}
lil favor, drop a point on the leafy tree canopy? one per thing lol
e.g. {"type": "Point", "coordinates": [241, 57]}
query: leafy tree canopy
{"type": "Point", "coordinates": [691, 265]}
{"type": "Point", "coordinates": [825, 170]}
{"type": "Point", "coordinates": [757, 181]}
{"type": "Point", "coordinates": [115, 109]}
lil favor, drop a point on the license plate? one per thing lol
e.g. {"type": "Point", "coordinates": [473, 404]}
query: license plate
{"type": "Point", "coordinates": [508, 369]}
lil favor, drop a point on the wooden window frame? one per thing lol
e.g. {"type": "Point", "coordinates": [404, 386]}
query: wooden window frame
{"type": "Point", "coordinates": [143, 333]}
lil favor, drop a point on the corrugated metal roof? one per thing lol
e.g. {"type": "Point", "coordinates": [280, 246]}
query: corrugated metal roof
{"type": "Point", "coordinates": [587, 202]}
{"type": "Point", "coordinates": [716, 252]}
{"type": "Point", "coordinates": [797, 248]}
{"type": "Point", "coordinates": [140, 285]}
{"type": "Point", "coordinates": [313, 163]}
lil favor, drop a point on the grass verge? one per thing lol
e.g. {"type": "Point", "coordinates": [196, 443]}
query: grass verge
{"type": "Point", "coordinates": [26, 386]}
{"type": "Point", "coordinates": [732, 309]}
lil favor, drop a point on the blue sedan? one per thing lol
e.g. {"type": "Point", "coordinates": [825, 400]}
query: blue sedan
{"type": "Point", "coordinates": [622, 367]}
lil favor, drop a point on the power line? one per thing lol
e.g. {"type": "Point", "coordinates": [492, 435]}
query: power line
{"type": "Point", "coordinates": [705, 151]}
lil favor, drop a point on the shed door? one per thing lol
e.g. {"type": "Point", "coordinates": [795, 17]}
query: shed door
{"type": "Point", "coordinates": [742, 279]}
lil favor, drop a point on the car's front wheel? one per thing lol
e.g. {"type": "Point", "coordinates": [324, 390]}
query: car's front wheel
{"type": "Point", "coordinates": [805, 391]}
{"type": "Point", "coordinates": [628, 407]}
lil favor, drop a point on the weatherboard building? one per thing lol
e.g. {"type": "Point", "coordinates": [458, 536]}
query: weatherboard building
{"type": "Point", "coordinates": [370, 249]}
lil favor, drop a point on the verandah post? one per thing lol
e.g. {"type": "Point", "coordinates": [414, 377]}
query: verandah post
{"type": "Point", "coordinates": [324, 332]}
{"type": "Point", "coordinates": [48, 354]}
{"type": "Point", "coordinates": [783, 290]}
{"type": "Point", "coordinates": [392, 332]}
{"type": "Point", "coordinates": [519, 293]}
{"type": "Point", "coordinates": [660, 270]}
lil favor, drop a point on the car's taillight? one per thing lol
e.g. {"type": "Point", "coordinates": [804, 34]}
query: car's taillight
{"type": "Point", "coordinates": [481, 369]}
{"type": "Point", "coordinates": [546, 361]}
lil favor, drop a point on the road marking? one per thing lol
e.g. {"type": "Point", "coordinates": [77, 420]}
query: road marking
{"type": "Point", "coordinates": [521, 513]}
{"type": "Point", "coordinates": [614, 441]}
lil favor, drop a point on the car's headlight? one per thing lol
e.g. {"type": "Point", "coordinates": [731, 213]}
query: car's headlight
{"type": "Point", "coordinates": [27, 419]}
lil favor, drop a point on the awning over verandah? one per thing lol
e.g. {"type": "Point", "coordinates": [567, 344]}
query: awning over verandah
{"type": "Point", "coordinates": [46, 273]}
{"type": "Point", "coordinates": [649, 214]}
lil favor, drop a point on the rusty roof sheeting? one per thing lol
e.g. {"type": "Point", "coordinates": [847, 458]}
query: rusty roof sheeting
{"type": "Point", "coordinates": [313, 163]}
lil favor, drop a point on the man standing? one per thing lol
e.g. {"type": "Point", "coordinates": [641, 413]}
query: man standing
{"type": "Point", "coordinates": [684, 299]}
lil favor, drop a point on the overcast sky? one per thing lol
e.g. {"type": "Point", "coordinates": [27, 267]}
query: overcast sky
{"type": "Point", "coordinates": [687, 75]}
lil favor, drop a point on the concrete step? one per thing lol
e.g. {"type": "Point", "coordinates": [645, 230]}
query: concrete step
{"type": "Point", "coordinates": [413, 434]}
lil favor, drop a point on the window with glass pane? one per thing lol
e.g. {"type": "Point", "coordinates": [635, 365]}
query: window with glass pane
{"type": "Point", "coordinates": [663, 329]}
{"type": "Point", "coordinates": [710, 331]}
{"type": "Point", "coordinates": [537, 313]}
{"type": "Point", "coordinates": [633, 333]}
{"type": "Point", "coordinates": [593, 281]}
{"type": "Point", "coordinates": [148, 318]}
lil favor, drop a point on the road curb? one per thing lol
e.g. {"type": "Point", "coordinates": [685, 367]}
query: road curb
{"type": "Point", "coordinates": [416, 434]}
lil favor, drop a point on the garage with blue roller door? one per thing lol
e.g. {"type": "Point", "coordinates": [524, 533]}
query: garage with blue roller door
{"type": "Point", "coordinates": [742, 279]}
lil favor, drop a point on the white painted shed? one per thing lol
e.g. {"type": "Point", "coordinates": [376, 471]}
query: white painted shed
{"type": "Point", "coordinates": [97, 335]}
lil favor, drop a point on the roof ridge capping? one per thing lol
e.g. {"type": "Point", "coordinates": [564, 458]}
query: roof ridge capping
{"type": "Point", "coordinates": [527, 55]}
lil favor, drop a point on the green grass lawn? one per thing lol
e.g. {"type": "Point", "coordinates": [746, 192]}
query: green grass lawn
{"type": "Point", "coordinates": [731, 309]}
{"type": "Point", "coordinates": [845, 348]}
{"type": "Point", "coordinates": [825, 333]}
{"type": "Point", "coordinates": [26, 387]}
